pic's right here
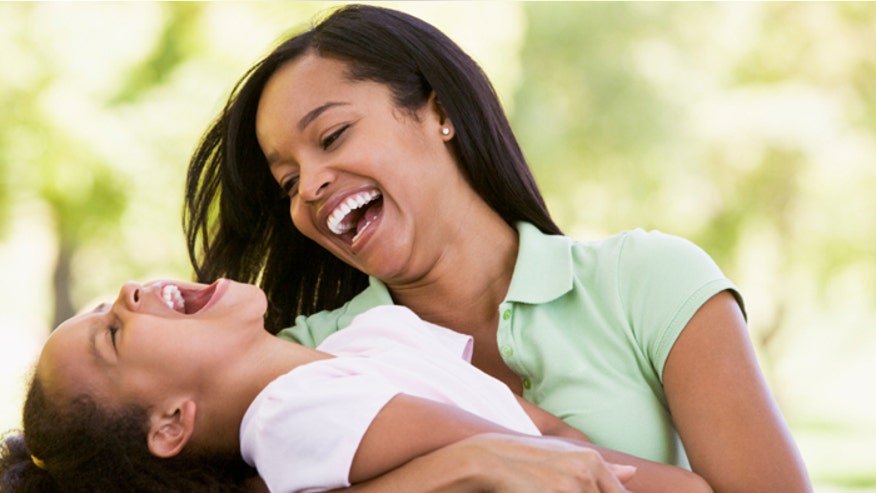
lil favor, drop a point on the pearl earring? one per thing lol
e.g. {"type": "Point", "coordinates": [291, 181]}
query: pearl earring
{"type": "Point", "coordinates": [445, 131]}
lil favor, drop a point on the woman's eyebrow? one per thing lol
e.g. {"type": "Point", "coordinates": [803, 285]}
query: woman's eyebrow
{"type": "Point", "coordinates": [314, 113]}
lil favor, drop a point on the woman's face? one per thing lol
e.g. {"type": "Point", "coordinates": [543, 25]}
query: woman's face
{"type": "Point", "coordinates": [374, 184]}
{"type": "Point", "coordinates": [155, 339]}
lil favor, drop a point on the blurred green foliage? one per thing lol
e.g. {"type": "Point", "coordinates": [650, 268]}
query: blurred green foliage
{"type": "Point", "coordinates": [717, 122]}
{"type": "Point", "coordinates": [749, 128]}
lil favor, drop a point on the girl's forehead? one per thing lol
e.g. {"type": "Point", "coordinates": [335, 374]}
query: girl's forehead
{"type": "Point", "coordinates": [68, 362]}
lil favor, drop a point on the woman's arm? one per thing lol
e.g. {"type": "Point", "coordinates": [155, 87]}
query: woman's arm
{"type": "Point", "coordinates": [456, 451]}
{"type": "Point", "coordinates": [550, 425]}
{"type": "Point", "coordinates": [409, 427]}
{"type": "Point", "coordinates": [650, 476]}
{"type": "Point", "coordinates": [502, 463]}
{"type": "Point", "coordinates": [731, 427]}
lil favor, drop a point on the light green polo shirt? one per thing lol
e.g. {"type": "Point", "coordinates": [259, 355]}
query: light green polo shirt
{"type": "Point", "coordinates": [588, 327]}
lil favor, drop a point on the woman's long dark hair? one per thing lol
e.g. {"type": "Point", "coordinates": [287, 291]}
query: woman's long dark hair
{"type": "Point", "coordinates": [237, 227]}
{"type": "Point", "coordinates": [83, 447]}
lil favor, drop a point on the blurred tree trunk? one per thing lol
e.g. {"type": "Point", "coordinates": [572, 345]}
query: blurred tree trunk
{"type": "Point", "coordinates": [62, 280]}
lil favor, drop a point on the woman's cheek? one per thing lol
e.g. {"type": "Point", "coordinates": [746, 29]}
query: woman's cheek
{"type": "Point", "coordinates": [303, 221]}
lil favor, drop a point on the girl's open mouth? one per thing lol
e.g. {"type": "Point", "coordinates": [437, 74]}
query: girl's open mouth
{"type": "Point", "coordinates": [187, 301]}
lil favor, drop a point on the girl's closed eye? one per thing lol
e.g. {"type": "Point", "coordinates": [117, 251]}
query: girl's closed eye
{"type": "Point", "coordinates": [332, 137]}
{"type": "Point", "coordinates": [113, 329]}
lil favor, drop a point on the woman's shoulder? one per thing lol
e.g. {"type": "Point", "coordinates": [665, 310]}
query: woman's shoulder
{"type": "Point", "coordinates": [636, 237]}
{"type": "Point", "coordinates": [642, 266]}
{"type": "Point", "coordinates": [311, 330]}
{"type": "Point", "coordinates": [630, 243]}
{"type": "Point", "coordinates": [642, 248]}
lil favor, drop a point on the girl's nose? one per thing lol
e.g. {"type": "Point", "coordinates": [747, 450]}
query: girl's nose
{"type": "Point", "coordinates": [130, 295]}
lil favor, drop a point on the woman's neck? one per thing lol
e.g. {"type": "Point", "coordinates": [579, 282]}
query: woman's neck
{"type": "Point", "coordinates": [464, 287]}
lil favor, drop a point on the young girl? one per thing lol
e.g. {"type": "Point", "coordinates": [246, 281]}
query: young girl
{"type": "Point", "coordinates": [168, 387]}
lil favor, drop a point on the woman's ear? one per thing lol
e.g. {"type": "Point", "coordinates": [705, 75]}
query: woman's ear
{"type": "Point", "coordinates": [170, 431]}
{"type": "Point", "coordinates": [437, 111]}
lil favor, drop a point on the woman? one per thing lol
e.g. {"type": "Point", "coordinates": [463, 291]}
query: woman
{"type": "Point", "coordinates": [169, 386]}
{"type": "Point", "coordinates": [405, 185]}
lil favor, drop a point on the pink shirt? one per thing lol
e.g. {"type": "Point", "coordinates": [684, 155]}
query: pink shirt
{"type": "Point", "coordinates": [302, 431]}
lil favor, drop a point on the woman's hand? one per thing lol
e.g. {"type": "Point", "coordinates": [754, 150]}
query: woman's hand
{"type": "Point", "coordinates": [522, 464]}
{"type": "Point", "coordinates": [419, 445]}
{"type": "Point", "coordinates": [504, 463]}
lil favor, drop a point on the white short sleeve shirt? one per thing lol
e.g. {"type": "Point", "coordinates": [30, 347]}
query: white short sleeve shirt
{"type": "Point", "coordinates": [302, 431]}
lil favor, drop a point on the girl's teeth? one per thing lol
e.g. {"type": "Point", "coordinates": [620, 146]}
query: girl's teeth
{"type": "Point", "coordinates": [172, 297]}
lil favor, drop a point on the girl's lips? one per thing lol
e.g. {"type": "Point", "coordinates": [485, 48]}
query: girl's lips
{"type": "Point", "coordinates": [198, 300]}
{"type": "Point", "coordinates": [195, 298]}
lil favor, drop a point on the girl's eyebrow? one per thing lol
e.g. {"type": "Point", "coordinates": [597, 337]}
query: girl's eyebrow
{"type": "Point", "coordinates": [99, 308]}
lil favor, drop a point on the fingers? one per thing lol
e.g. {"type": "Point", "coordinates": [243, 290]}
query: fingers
{"type": "Point", "coordinates": [583, 470]}
{"type": "Point", "coordinates": [527, 465]}
{"type": "Point", "coordinates": [594, 475]}
{"type": "Point", "coordinates": [623, 472]}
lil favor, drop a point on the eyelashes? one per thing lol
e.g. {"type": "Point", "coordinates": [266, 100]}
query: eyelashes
{"type": "Point", "coordinates": [113, 329]}
{"type": "Point", "coordinates": [288, 187]}
{"type": "Point", "coordinates": [328, 141]}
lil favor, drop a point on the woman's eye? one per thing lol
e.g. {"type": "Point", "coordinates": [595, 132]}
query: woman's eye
{"type": "Point", "coordinates": [328, 141]}
{"type": "Point", "coordinates": [289, 187]}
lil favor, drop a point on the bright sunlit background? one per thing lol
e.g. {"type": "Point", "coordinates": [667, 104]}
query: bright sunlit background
{"type": "Point", "coordinates": [749, 128]}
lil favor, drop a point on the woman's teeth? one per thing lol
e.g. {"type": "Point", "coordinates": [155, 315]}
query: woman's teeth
{"type": "Point", "coordinates": [173, 298]}
{"type": "Point", "coordinates": [337, 221]}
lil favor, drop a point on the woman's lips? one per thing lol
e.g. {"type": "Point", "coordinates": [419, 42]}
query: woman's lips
{"type": "Point", "coordinates": [369, 217]}
{"type": "Point", "coordinates": [347, 214]}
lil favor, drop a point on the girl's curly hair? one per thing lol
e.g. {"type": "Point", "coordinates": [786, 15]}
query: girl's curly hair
{"type": "Point", "coordinates": [82, 446]}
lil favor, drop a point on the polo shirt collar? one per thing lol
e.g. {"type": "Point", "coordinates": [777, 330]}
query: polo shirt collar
{"type": "Point", "coordinates": [377, 293]}
{"type": "Point", "coordinates": [543, 271]}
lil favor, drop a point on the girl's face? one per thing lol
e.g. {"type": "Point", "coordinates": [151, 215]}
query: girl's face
{"type": "Point", "coordinates": [374, 184]}
{"type": "Point", "coordinates": [154, 340]}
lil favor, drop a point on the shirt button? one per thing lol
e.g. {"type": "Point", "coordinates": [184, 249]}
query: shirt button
{"type": "Point", "coordinates": [507, 351]}
{"type": "Point", "coordinates": [527, 383]}
{"type": "Point", "coordinates": [506, 314]}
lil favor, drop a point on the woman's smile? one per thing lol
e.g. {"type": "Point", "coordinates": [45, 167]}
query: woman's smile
{"type": "Point", "coordinates": [354, 214]}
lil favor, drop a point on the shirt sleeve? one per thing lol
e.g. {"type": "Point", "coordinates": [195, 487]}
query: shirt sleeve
{"type": "Point", "coordinates": [303, 430]}
{"type": "Point", "coordinates": [663, 280]}
{"type": "Point", "coordinates": [397, 325]}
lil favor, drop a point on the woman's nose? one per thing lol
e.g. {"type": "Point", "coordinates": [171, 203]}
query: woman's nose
{"type": "Point", "coordinates": [312, 185]}
{"type": "Point", "coordinates": [130, 296]}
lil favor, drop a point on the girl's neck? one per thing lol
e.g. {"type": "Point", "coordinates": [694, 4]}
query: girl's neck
{"type": "Point", "coordinates": [227, 397]}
